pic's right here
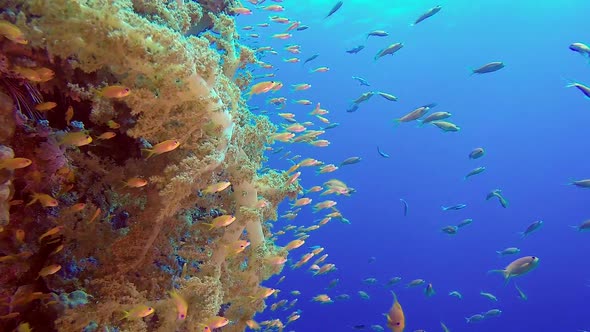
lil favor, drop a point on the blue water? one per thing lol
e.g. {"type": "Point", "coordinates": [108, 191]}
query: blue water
{"type": "Point", "coordinates": [534, 131]}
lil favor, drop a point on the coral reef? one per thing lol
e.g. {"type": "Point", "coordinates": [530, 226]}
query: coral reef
{"type": "Point", "coordinates": [92, 227]}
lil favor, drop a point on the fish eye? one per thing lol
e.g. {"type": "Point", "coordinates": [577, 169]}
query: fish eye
{"type": "Point", "coordinates": [534, 257]}
{"type": "Point", "coordinates": [182, 316]}
{"type": "Point", "coordinates": [398, 323]}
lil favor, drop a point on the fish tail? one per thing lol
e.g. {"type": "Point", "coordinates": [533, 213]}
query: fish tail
{"type": "Point", "coordinates": [444, 208]}
{"type": "Point", "coordinates": [34, 199]}
{"type": "Point", "coordinates": [503, 272]}
{"type": "Point", "coordinates": [149, 152]}
{"type": "Point", "coordinates": [575, 228]}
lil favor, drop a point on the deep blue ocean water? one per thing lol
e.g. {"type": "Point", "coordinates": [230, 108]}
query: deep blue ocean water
{"type": "Point", "coordinates": [534, 130]}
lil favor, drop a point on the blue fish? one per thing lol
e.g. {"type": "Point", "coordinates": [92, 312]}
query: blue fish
{"type": "Point", "coordinates": [353, 108]}
{"type": "Point", "coordinates": [405, 206]}
{"type": "Point", "coordinates": [355, 50]}
{"type": "Point", "coordinates": [383, 154]}
{"type": "Point", "coordinates": [454, 207]}
{"type": "Point", "coordinates": [334, 9]}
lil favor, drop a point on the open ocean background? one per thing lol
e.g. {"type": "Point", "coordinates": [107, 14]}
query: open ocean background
{"type": "Point", "coordinates": [536, 136]}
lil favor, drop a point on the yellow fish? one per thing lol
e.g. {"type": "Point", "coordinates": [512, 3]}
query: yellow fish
{"type": "Point", "coordinates": [12, 32]}
{"type": "Point", "coordinates": [15, 163]}
{"type": "Point", "coordinates": [221, 221]}
{"type": "Point", "coordinates": [77, 138]}
{"type": "Point", "coordinates": [138, 312]}
{"type": "Point", "coordinates": [181, 305]}
{"type": "Point", "coordinates": [216, 187]}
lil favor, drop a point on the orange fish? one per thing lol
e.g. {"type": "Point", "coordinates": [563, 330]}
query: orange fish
{"type": "Point", "coordinates": [282, 36]}
{"type": "Point", "coordinates": [162, 147]}
{"type": "Point", "coordinates": [44, 199]}
{"type": "Point", "coordinates": [135, 182]}
{"type": "Point", "coordinates": [107, 135]}
{"type": "Point", "coordinates": [241, 10]}
{"type": "Point", "coordinates": [46, 106]}
{"type": "Point", "coordinates": [114, 91]}
{"type": "Point", "coordinates": [69, 115]}
{"type": "Point", "coordinates": [396, 320]}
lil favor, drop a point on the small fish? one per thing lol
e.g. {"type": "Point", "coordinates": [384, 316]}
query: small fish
{"type": "Point", "coordinates": [405, 204]}
{"type": "Point", "coordinates": [451, 230]}
{"type": "Point", "coordinates": [436, 116]}
{"type": "Point", "coordinates": [44, 199]}
{"type": "Point", "coordinates": [350, 161]}
{"type": "Point", "coordinates": [377, 33]}
{"type": "Point", "coordinates": [334, 9]}
{"type": "Point", "coordinates": [162, 147]}
{"type": "Point", "coordinates": [361, 80]}
{"type": "Point", "coordinates": [389, 50]}
{"type": "Point", "coordinates": [429, 290]}
{"type": "Point", "coordinates": [355, 50]}
{"type": "Point", "coordinates": [464, 223]}
{"type": "Point", "coordinates": [181, 305]}
{"type": "Point", "coordinates": [583, 227]}
{"type": "Point", "coordinates": [221, 221]}
{"type": "Point", "coordinates": [69, 115]}
{"type": "Point", "coordinates": [446, 126]}
{"type": "Point", "coordinates": [492, 313]}
{"type": "Point", "coordinates": [583, 88]}
{"type": "Point", "coordinates": [387, 96]}
{"type": "Point", "coordinates": [476, 153]}
{"type": "Point", "coordinates": [353, 108]}
{"type": "Point", "coordinates": [508, 251]}
{"type": "Point", "coordinates": [518, 267]}
{"type": "Point", "coordinates": [50, 232]}
{"type": "Point", "coordinates": [15, 163]}
{"type": "Point", "coordinates": [364, 97]}
{"type": "Point", "coordinates": [311, 58]}
{"type": "Point", "coordinates": [488, 68]}
{"type": "Point", "coordinates": [444, 327]}
{"type": "Point", "coordinates": [416, 282]}
{"type": "Point", "coordinates": [393, 281]}
{"type": "Point", "coordinates": [413, 115]}
{"type": "Point", "coordinates": [581, 183]}
{"type": "Point", "coordinates": [381, 153]}
{"type": "Point", "coordinates": [302, 27]}
{"type": "Point", "coordinates": [76, 138]}
{"type": "Point", "coordinates": [489, 296]}
{"type": "Point", "coordinates": [49, 270]}
{"type": "Point", "coordinates": [456, 294]}
{"type": "Point", "coordinates": [474, 171]}
{"type": "Point", "coordinates": [532, 228]}
{"type": "Point", "coordinates": [135, 182]}
{"type": "Point", "coordinates": [521, 294]}
{"type": "Point", "coordinates": [396, 320]}
{"type": "Point", "coordinates": [138, 312]}
{"type": "Point", "coordinates": [454, 207]}
{"type": "Point", "coordinates": [114, 91]}
{"type": "Point", "coordinates": [12, 32]}
{"type": "Point", "coordinates": [475, 318]}
{"type": "Point", "coordinates": [106, 135]}
{"type": "Point", "coordinates": [428, 14]}
{"type": "Point", "coordinates": [46, 106]}
{"type": "Point", "coordinates": [580, 48]}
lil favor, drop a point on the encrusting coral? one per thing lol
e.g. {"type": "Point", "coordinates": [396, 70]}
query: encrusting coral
{"type": "Point", "coordinates": [136, 71]}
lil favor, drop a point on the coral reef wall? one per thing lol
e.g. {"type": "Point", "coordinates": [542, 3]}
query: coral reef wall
{"type": "Point", "coordinates": [130, 191]}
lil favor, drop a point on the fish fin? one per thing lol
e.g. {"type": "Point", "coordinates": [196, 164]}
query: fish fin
{"type": "Point", "coordinates": [575, 228]}
{"type": "Point", "coordinates": [149, 152]}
